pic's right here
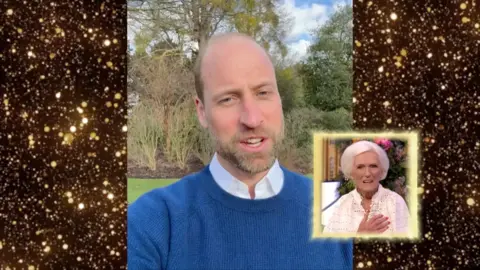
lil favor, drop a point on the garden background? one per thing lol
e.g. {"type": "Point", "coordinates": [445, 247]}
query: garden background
{"type": "Point", "coordinates": [165, 140]}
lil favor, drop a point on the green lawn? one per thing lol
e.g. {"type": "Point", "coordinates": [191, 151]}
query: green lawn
{"type": "Point", "coordinates": [137, 187]}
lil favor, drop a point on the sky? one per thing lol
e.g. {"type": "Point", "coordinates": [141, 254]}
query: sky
{"type": "Point", "coordinates": [307, 15]}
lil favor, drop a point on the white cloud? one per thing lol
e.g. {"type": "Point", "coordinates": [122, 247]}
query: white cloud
{"type": "Point", "coordinates": [305, 17]}
{"type": "Point", "coordinates": [340, 4]}
{"type": "Point", "coordinates": [298, 49]}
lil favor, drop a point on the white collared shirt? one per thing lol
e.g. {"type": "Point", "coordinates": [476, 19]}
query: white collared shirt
{"type": "Point", "coordinates": [348, 212]}
{"type": "Point", "coordinates": [268, 187]}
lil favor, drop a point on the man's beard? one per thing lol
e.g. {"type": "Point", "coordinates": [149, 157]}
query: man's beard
{"type": "Point", "coordinates": [251, 163]}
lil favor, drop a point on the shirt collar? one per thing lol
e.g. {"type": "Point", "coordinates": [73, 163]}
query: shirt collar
{"type": "Point", "coordinates": [273, 180]}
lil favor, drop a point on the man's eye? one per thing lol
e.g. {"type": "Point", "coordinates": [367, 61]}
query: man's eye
{"type": "Point", "coordinates": [225, 100]}
{"type": "Point", "coordinates": [263, 93]}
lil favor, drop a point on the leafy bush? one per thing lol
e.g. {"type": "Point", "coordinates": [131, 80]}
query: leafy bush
{"type": "Point", "coordinates": [301, 123]}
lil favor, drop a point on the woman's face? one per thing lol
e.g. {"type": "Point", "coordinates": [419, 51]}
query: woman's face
{"type": "Point", "coordinates": [366, 171]}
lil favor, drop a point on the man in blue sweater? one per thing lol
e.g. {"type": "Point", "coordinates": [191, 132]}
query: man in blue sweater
{"type": "Point", "coordinates": [244, 210]}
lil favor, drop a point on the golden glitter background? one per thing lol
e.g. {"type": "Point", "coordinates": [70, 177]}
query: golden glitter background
{"type": "Point", "coordinates": [417, 66]}
{"type": "Point", "coordinates": [62, 148]}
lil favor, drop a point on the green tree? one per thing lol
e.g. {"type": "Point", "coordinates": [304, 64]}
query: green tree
{"type": "Point", "coordinates": [290, 87]}
{"type": "Point", "coordinates": [327, 72]}
{"type": "Point", "coordinates": [198, 20]}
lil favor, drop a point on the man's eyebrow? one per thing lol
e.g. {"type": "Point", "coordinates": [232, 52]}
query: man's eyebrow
{"type": "Point", "coordinates": [262, 84]}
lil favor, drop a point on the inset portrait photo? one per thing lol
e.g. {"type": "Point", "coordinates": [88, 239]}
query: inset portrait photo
{"type": "Point", "coordinates": [365, 185]}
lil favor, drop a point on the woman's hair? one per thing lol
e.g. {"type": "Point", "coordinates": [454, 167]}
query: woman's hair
{"type": "Point", "coordinates": [348, 157]}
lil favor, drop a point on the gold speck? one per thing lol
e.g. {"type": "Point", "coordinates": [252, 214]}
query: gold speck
{"type": "Point", "coordinates": [380, 69]}
{"type": "Point", "coordinates": [69, 194]}
{"type": "Point", "coordinates": [109, 64]}
{"type": "Point", "coordinates": [393, 16]}
{"type": "Point", "coordinates": [84, 104]}
{"type": "Point", "coordinates": [20, 30]}
{"type": "Point", "coordinates": [358, 43]}
{"type": "Point", "coordinates": [465, 20]}
{"type": "Point", "coordinates": [73, 129]}
{"type": "Point", "coordinates": [463, 6]}
{"type": "Point", "coordinates": [46, 249]}
{"type": "Point", "coordinates": [9, 11]}
{"type": "Point", "coordinates": [84, 120]}
{"type": "Point", "coordinates": [65, 246]}
{"type": "Point", "coordinates": [110, 196]}
{"type": "Point", "coordinates": [70, 200]}
{"type": "Point", "coordinates": [389, 259]}
{"type": "Point", "coordinates": [52, 55]}
{"type": "Point", "coordinates": [470, 201]}
{"type": "Point", "coordinates": [60, 134]}
{"type": "Point", "coordinates": [115, 41]}
{"type": "Point", "coordinates": [53, 164]}
{"type": "Point", "coordinates": [389, 120]}
{"type": "Point", "coordinates": [81, 206]}
{"type": "Point", "coordinates": [106, 42]}
{"type": "Point", "coordinates": [117, 154]}
{"type": "Point", "coordinates": [107, 120]}
{"type": "Point", "coordinates": [108, 104]}
{"type": "Point", "coordinates": [118, 96]}
{"type": "Point", "coordinates": [68, 138]}
{"type": "Point", "coordinates": [124, 128]}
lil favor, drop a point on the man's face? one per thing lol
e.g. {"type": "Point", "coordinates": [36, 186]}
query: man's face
{"type": "Point", "coordinates": [242, 107]}
{"type": "Point", "coordinates": [366, 171]}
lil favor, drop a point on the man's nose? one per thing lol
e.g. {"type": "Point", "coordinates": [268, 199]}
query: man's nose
{"type": "Point", "coordinates": [251, 115]}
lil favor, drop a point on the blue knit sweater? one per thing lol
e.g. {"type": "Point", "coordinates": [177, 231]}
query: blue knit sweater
{"type": "Point", "coordinates": [194, 224]}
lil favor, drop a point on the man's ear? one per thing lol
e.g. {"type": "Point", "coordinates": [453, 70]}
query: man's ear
{"type": "Point", "coordinates": [201, 112]}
